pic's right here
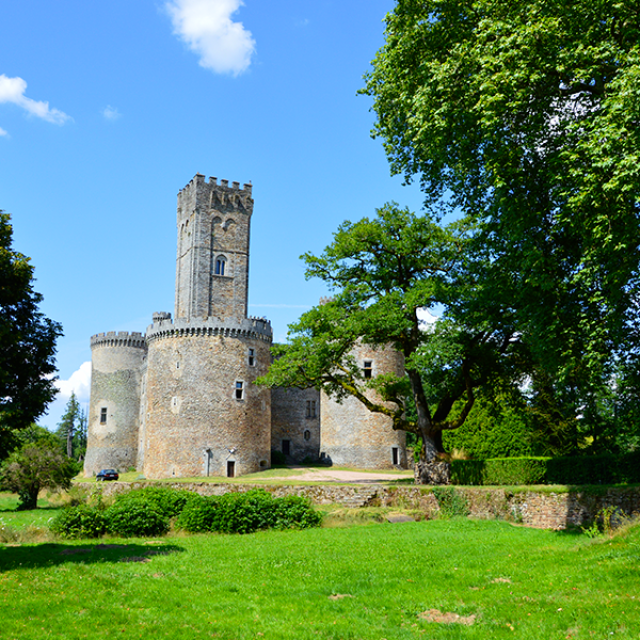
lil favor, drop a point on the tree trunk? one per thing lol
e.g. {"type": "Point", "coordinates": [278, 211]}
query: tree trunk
{"type": "Point", "coordinates": [29, 498]}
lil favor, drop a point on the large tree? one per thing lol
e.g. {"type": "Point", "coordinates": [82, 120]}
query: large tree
{"type": "Point", "coordinates": [383, 272]}
{"type": "Point", "coordinates": [524, 117]}
{"type": "Point", "coordinates": [27, 343]}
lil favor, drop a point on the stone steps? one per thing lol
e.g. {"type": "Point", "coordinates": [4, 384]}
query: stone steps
{"type": "Point", "coordinates": [360, 498]}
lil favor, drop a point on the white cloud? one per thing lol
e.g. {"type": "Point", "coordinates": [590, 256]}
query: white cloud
{"type": "Point", "coordinates": [79, 383]}
{"type": "Point", "coordinates": [3, 132]}
{"type": "Point", "coordinates": [111, 113]}
{"type": "Point", "coordinates": [224, 46]}
{"type": "Point", "coordinates": [12, 90]}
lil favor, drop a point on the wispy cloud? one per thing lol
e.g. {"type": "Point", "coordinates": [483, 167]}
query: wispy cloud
{"type": "Point", "coordinates": [3, 132]}
{"type": "Point", "coordinates": [12, 90]}
{"type": "Point", "coordinates": [111, 113]}
{"type": "Point", "coordinates": [224, 46]}
{"type": "Point", "coordinates": [79, 383]}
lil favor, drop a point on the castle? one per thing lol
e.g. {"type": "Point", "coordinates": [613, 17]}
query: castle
{"type": "Point", "coordinates": [181, 401]}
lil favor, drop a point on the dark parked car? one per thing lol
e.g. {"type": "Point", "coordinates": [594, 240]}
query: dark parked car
{"type": "Point", "coordinates": [107, 474]}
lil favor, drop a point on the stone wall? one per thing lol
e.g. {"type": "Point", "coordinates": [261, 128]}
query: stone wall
{"type": "Point", "coordinates": [353, 436]}
{"type": "Point", "coordinates": [543, 510]}
{"type": "Point", "coordinates": [295, 418]}
{"type": "Point", "coordinates": [203, 413]}
{"type": "Point", "coordinates": [213, 225]}
{"type": "Point", "coordinates": [117, 361]}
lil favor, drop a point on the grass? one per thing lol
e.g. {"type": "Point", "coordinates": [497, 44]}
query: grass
{"type": "Point", "coordinates": [358, 582]}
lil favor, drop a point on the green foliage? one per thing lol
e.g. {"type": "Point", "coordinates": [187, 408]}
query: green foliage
{"type": "Point", "coordinates": [522, 117]}
{"type": "Point", "coordinates": [571, 470]}
{"type": "Point", "coordinates": [80, 521]}
{"type": "Point", "coordinates": [34, 467]}
{"type": "Point", "coordinates": [169, 502]}
{"type": "Point", "coordinates": [278, 459]}
{"type": "Point", "coordinates": [384, 271]}
{"type": "Point", "coordinates": [450, 502]}
{"type": "Point", "coordinates": [72, 429]}
{"type": "Point", "coordinates": [247, 512]}
{"type": "Point", "coordinates": [27, 344]}
{"type": "Point", "coordinates": [496, 428]}
{"type": "Point", "coordinates": [135, 518]}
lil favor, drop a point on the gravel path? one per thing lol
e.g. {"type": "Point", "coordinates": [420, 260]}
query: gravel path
{"type": "Point", "coordinates": [315, 474]}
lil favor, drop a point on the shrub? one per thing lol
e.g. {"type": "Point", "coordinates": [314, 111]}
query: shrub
{"type": "Point", "coordinates": [198, 515]}
{"type": "Point", "coordinates": [278, 459]}
{"type": "Point", "coordinates": [247, 512]}
{"type": "Point", "coordinates": [450, 502]}
{"type": "Point", "coordinates": [81, 521]}
{"type": "Point", "coordinates": [135, 518]}
{"type": "Point", "coordinates": [295, 512]}
{"type": "Point", "coordinates": [169, 502]}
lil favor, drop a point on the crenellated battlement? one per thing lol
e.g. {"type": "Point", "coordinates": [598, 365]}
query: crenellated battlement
{"type": "Point", "coordinates": [199, 181]}
{"type": "Point", "coordinates": [135, 339]}
{"type": "Point", "coordinates": [254, 328]}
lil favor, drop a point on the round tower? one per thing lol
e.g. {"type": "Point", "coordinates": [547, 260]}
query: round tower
{"type": "Point", "coordinates": [117, 361]}
{"type": "Point", "coordinates": [203, 414]}
{"type": "Point", "coordinates": [351, 435]}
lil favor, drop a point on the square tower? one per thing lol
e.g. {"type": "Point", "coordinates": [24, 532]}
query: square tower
{"type": "Point", "coordinates": [212, 267]}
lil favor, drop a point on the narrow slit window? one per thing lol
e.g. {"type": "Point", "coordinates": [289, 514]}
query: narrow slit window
{"type": "Point", "coordinates": [103, 415]}
{"type": "Point", "coordinates": [239, 390]}
{"type": "Point", "coordinates": [286, 447]}
{"type": "Point", "coordinates": [367, 369]}
{"type": "Point", "coordinates": [311, 409]}
{"type": "Point", "coordinates": [395, 455]}
{"type": "Point", "coordinates": [252, 357]}
{"type": "Point", "coordinates": [307, 435]}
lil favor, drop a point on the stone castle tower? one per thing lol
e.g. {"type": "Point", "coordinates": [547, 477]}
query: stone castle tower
{"type": "Point", "coordinates": [181, 400]}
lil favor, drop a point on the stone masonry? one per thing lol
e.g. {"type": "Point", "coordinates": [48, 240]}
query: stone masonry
{"type": "Point", "coordinates": [181, 401]}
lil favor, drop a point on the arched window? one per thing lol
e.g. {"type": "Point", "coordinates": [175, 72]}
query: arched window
{"type": "Point", "coordinates": [220, 264]}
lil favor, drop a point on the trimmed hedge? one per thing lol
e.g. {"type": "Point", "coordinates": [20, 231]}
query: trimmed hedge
{"type": "Point", "coordinates": [81, 521]}
{"type": "Point", "coordinates": [602, 469]}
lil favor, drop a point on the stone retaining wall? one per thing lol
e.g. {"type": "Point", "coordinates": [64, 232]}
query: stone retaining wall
{"type": "Point", "coordinates": [540, 509]}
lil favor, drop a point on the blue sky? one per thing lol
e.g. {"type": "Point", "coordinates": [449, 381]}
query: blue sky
{"type": "Point", "coordinates": [108, 109]}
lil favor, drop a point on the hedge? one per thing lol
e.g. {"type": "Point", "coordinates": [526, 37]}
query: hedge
{"type": "Point", "coordinates": [578, 470]}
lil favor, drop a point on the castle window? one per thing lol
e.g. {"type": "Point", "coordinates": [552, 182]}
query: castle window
{"type": "Point", "coordinates": [103, 415]}
{"type": "Point", "coordinates": [367, 369]}
{"type": "Point", "coordinates": [252, 357]}
{"type": "Point", "coordinates": [220, 264]}
{"type": "Point", "coordinates": [286, 447]}
{"type": "Point", "coordinates": [307, 435]}
{"type": "Point", "coordinates": [395, 455]}
{"type": "Point", "coordinates": [239, 390]}
{"type": "Point", "coordinates": [311, 409]}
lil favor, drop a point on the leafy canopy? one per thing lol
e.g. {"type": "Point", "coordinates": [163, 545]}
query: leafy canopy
{"type": "Point", "coordinates": [27, 343]}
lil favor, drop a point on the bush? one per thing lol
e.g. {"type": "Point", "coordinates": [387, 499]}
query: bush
{"type": "Point", "coordinates": [278, 459]}
{"type": "Point", "coordinates": [169, 502]}
{"type": "Point", "coordinates": [135, 518]}
{"type": "Point", "coordinates": [198, 515]}
{"type": "Point", "coordinates": [81, 521]}
{"type": "Point", "coordinates": [450, 502]}
{"type": "Point", "coordinates": [578, 470]}
{"type": "Point", "coordinates": [248, 512]}
{"type": "Point", "coordinates": [498, 471]}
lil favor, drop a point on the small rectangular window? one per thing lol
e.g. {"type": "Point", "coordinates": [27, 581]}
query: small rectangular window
{"type": "Point", "coordinates": [367, 369]}
{"type": "Point", "coordinates": [311, 409]}
{"type": "Point", "coordinates": [239, 390]}
{"type": "Point", "coordinates": [252, 357]}
{"type": "Point", "coordinates": [394, 455]}
{"type": "Point", "coordinates": [286, 447]}
{"type": "Point", "coordinates": [103, 415]}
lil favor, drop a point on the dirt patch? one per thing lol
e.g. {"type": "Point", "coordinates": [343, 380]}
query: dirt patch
{"type": "Point", "coordinates": [433, 615]}
{"type": "Point", "coordinates": [339, 596]}
{"type": "Point", "coordinates": [73, 552]}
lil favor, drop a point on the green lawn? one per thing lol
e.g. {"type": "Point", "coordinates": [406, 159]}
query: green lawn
{"type": "Point", "coordinates": [369, 582]}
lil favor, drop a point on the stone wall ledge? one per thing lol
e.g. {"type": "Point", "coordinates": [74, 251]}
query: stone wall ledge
{"type": "Point", "coordinates": [539, 509]}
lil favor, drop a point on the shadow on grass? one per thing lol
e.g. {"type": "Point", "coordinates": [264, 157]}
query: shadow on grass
{"type": "Point", "coordinates": [48, 555]}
